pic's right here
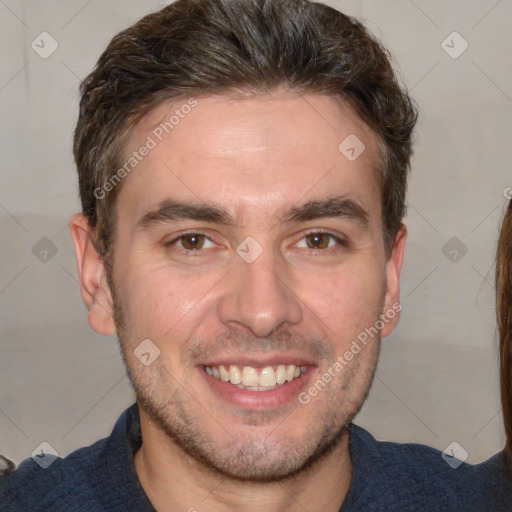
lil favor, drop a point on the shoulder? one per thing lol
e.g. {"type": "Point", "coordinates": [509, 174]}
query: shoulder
{"type": "Point", "coordinates": [494, 478]}
{"type": "Point", "coordinates": [409, 476]}
{"type": "Point", "coordinates": [405, 459]}
{"type": "Point", "coordinates": [62, 485]}
{"type": "Point", "coordinates": [99, 477]}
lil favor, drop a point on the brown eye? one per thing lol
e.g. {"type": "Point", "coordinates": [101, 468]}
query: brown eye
{"type": "Point", "coordinates": [192, 241]}
{"type": "Point", "coordinates": [318, 240]}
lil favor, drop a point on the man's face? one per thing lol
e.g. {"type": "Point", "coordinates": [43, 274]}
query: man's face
{"type": "Point", "coordinates": [273, 273]}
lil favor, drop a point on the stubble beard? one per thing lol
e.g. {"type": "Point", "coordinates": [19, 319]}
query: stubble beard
{"type": "Point", "coordinates": [254, 457]}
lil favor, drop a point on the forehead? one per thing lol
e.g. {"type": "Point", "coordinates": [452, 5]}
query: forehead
{"type": "Point", "coordinates": [249, 153]}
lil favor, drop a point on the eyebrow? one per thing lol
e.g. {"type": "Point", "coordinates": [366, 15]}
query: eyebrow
{"type": "Point", "coordinates": [340, 207]}
{"type": "Point", "coordinates": [336, 207]}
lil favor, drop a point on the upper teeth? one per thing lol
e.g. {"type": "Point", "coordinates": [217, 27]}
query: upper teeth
{"type": "Point", "coordinates": [254, 378]}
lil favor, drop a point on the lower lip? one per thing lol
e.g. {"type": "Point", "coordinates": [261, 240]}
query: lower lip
{"type": "Point", "coordinates": [277, 397]}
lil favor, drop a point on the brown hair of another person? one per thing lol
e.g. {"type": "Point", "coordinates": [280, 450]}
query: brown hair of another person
{"type": "Point", "coordinates": [504, 317]}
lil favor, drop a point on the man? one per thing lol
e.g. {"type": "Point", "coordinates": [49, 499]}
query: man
{"type": "Point", "coordinates": [242, 169]}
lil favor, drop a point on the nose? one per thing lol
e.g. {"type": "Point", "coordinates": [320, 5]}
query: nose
{"type": "Point", "coordinates": [258, 296]}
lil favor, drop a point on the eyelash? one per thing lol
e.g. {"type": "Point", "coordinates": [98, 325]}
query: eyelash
{"type": "Point", "coordinates": [341, 243]}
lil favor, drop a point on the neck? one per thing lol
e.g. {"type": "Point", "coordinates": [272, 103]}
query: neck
{"type": "Point", "coordinates": [173, 480]}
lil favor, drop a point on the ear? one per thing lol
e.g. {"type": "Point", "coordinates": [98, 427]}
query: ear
{"type": "Point", "coordinates": [392, 306]}
{"type": "Point", "coordinates": [91, 272]}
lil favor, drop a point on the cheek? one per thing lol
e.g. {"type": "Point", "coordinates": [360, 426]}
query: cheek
{"type": "Point", "coordinates": [159, 303]}
{"type": "Point", "coordinates": [347, 301]}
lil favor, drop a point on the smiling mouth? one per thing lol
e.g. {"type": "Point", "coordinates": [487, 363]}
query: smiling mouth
{"type": "Point", "coordinates": [256, 379]}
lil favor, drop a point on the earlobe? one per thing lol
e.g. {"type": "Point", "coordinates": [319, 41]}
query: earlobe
{"type": "Point", "coordinates": [91, 272]}
{"type": "Point", "coordinates": [392, 306]}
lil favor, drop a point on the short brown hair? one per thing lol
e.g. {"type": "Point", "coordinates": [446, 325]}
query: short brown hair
{"type": "Point", "coordinates": [504, 317]}
{"type": "Point", "coordinates": [201, 47]}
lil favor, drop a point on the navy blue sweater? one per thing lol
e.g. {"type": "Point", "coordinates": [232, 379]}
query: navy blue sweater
{"type": "Point", "coordinates": [387, 477]}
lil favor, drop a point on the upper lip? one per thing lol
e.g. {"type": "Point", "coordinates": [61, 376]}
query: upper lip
{"type": "Point", "coordinates": [261, 362]}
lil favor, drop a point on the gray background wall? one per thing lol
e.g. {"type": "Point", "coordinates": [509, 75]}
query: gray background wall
{"type": "Point", "coordinates": [437, 379]}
